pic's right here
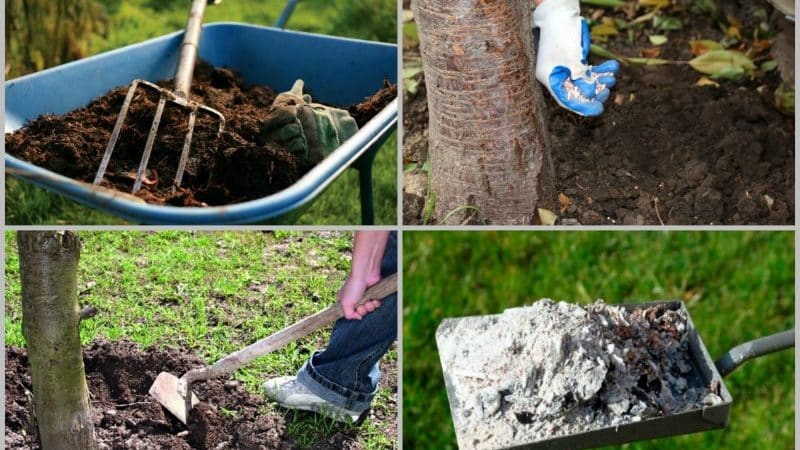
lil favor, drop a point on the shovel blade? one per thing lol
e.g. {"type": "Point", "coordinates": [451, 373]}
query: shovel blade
{"type": "Point", "coordinates": [165, 391]}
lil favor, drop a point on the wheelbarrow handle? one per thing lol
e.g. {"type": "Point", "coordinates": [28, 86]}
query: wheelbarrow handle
{"type": "Point", "coordinates": [753, 349]}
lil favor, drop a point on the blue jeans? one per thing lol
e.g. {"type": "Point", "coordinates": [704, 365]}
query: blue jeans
{"type": "Point", "coordinates": [346, 373]}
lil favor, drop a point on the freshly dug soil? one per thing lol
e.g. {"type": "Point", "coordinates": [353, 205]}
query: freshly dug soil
{"type": "Point", "coordinates": [220, 171]}
{"type": "Point", "coordinates": [556, 369]}
{"type": "Point", "coordinates": [126, 417]}
{"type": "Point", "coordinates": [665, 150]}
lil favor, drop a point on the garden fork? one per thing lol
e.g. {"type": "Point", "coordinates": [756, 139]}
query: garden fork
{"type": "Point", "coordinates": [179, 95]}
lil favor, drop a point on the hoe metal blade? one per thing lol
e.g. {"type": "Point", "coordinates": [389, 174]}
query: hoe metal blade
{"type": "Point", "coordinates": [165, 390]}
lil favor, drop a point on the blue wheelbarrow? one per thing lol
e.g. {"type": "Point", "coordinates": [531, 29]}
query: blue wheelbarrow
{"type": "Point", "coordinates": [343, 71]}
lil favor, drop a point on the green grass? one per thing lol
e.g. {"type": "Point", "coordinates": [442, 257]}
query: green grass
{"type": "Point", "coordinates": [212, 293]}
{"type": "Point", "coordinates": [137, 20]}
{"type": "Point", "coordinates": [737, 286]}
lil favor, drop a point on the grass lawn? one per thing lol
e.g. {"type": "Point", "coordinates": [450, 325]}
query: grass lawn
{"type": "Point", "coordinates": [247, 284]}
{"type": "Point", "coordinates": [137, 20]}
{"type": "Point", "coordinates": [737, 286]}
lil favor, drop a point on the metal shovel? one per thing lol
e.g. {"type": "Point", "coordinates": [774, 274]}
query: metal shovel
{"type": "Point", "coordinates": [176, 395]}
{"type": "Point", "coordinates": [704, 372]}
{"type": "Point", "coordinates": [179, 96]}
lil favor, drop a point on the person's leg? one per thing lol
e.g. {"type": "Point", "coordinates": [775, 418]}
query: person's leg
{"type": "Point", "coordinates": [346, 373]}
{"type": "Point", "coordinates": [344, 377]}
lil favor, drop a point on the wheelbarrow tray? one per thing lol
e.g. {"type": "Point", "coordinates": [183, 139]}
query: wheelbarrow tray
{"type": "Point", "coordinates": [339, 71]}
{"type": "Point", "coordinates": [702, 419]}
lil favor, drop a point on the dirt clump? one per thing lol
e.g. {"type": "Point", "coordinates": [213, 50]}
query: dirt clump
{"type": "Point", "coordinates": [220, 170]}
{"type": "Point", "coordinates": [119, 375]}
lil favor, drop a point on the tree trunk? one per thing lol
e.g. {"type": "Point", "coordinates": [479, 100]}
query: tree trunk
{"type": "Point", "coordinates": [487, 138]}
{"type": "Point", "coordinates": [50, 323]}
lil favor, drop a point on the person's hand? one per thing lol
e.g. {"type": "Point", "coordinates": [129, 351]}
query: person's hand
{"type": "Point", "coordinates": [310, 131]}
{"type": "Point", "coordinates": [561, 64]}
{"type": "Point", "coordinates": [351, 292]}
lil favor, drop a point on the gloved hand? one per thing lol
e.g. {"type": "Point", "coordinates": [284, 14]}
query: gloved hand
{"type": "Point", "coordinates": [310, 131]}
{"type": "Point", "coordinates": [561, 59]}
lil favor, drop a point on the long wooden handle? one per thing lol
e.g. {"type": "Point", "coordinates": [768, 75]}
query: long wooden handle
{"type": "Point", "coordinates": [302, 328]}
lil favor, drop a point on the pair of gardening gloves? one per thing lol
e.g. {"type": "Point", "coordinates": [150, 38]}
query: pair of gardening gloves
{"type": "Point", "coordinates": [310, 131]}
{"type": "Point", "coordinates": [561, 63]}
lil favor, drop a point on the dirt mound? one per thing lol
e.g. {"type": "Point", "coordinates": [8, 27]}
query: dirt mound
{"type": "Point", "coordinates": [709, 155]}
{"type": "Point", "coordinates": [126, 417]}
{"type": "Point", "coordinates": [220, 171]}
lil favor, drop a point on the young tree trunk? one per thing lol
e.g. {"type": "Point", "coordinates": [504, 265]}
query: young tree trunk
{"type": "Point", "coordinates": [50, 317]}
{"type": "Point", "coordinates": [487, 138]}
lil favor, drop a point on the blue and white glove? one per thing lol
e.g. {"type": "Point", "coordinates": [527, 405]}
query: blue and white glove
{"type": "Point", "coordinates": [561, 59]}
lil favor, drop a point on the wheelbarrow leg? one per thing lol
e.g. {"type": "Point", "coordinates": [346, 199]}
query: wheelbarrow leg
{"type": "Point", "coordinates": [364, 166]}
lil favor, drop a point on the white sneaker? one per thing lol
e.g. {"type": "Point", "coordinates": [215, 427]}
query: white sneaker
{"type": "Point", "coordinates": [291, 394]}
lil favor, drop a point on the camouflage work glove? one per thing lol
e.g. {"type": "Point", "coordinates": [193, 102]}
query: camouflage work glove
{"type": "Point", "coordinates": [310, 131]}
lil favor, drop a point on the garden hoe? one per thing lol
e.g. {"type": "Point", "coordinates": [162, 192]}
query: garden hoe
{"type": "Point", "coordinates": [176, 394]}
{"type": "Point", "coordinates": [179, 96]}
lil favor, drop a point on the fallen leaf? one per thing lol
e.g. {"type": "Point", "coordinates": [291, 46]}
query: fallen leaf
{"type": "Point", "coordinates": [657, 39]}
{"type": "Point", "coordinates": [651, 52]}
{"type": "Point", "coordinates": [722, 63]}
{"type": "Point", "coordinates": [733, 21]}
{"type": "Point", "coordinates": [606, 27]}
{"type": "Point", "coordinates": [564, 201]}
{"type": "Point", "coordinates": [769, 65]}
{"type": "Point", "coordinates": [762, 44]}
{"type": "Point", "coordinates": [784, 98]}
{"type": "Point", "coordinates": [603, 52]}
{"type": "Point", "coordinates": [648, 61]}
{"type": "Point", "coordinates": [733, 32]}
{"type": "Point", "coordinates": [547, 217]}
{"type": "Point", "coordinates": [703, 81]}
{"type": "Point", "coordinates": [667, 23]}
{"type": "Point", "coordinates": [702, 46]}
{"type": "Point", "coordinates": [654, 3]}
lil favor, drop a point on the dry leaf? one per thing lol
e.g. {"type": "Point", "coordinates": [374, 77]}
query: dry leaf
{"type": "Point", "coordinates": [651, 52]}
{"type": "Point", "coordinates": [703, 81]}
{"type": "Point", "coordinates": [606, 27]}
{"type": "Point", "coordinates": [654, 3]}
{"type": "Point", "coordinates": [547, 217]}
{"type": "Point", "coordinates": [657, 39]}
{"type": "Point", "coordinates": [722, 63]}
{"type": "Point", "coordinates": [564, 201]}
{"type": "Point", "coordinates": [704, 46]}
{"type": "Point", "coordinates": [761, 45]}
{"type": "Point", "coordinates": [733, 32]}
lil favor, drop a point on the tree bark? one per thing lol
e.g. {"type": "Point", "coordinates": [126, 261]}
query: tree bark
{"type": "Point", "coordinates": [50, 316]}
{"type": "Point", "coordinates": [487, 137]}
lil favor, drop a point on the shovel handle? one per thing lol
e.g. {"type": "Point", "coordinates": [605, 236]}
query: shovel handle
{"type": "Point", "coordinates": [302, 328]}
{"type": "Point", "coordinates": [753, 349]}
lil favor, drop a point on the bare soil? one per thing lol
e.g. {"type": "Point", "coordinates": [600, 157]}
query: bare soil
{"type": "Point", "coordinates": [665, 151]}
{"type": "Point", "coordinates": [220, 171]}
{"type": "Point", "coordinates": [126, 417]}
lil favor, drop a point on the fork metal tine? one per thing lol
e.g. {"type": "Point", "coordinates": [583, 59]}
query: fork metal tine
{"type": "Point", "coordinates": [187, 142]}
{"type": "Point", "coordinates": [148, 148]}
{"type": "Point", "coordinates": [115, 134]}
